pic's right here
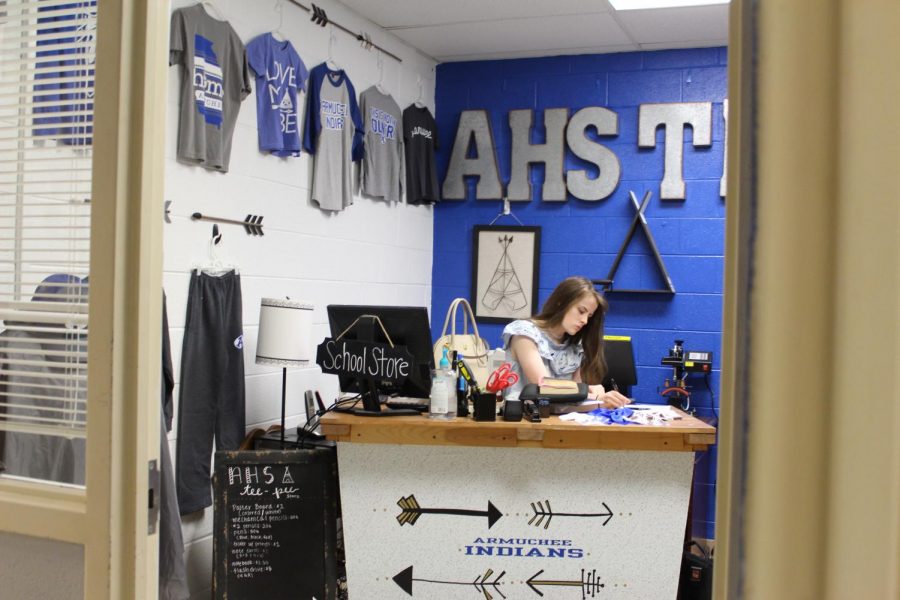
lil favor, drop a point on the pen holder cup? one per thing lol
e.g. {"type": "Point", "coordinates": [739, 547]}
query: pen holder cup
{"type": "Point", "coordinates": [486, 407]}
{"type": "Point", "coordinates": [544, 408]}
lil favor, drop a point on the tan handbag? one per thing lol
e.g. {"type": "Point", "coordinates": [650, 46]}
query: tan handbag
{"type": "Point", "coordinates": [471, 346]}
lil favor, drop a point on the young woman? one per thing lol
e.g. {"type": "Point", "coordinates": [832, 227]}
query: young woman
{"type": "Point", "coordinates": [563, 341]}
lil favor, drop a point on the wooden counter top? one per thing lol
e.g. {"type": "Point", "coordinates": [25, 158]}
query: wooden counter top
{"type": "Point", "coordinates": [687, 434]}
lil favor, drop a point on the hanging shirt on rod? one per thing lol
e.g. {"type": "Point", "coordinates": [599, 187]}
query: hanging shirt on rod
{"type": "Point", "coordinates": [333, 132]}
{"type": "Point", "coordinates": [382, 170]}
{"type": "Point", "coordinates": [280, 77]}
{"type": "Point", "coordinates": [420, 141]}
{"type": "Point", "coordinates": [214, 81]}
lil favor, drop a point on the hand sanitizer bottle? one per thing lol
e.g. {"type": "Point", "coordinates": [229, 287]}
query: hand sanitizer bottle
{"type": "Point", "coordinates": [443, 390]}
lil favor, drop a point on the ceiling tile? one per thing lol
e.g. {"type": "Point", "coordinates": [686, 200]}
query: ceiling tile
{"type": "Point", "coordinates": [455, 30]}
{"type": "Point", "coordinates": [547, 35]}
{"type": "Point", "coordinates": [696, 25]}
{"type": "Point", "coordinates": [414, 13]}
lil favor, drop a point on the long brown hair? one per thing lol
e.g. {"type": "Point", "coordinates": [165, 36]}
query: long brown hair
{"type": "Point", "coordinates": [567, 293]}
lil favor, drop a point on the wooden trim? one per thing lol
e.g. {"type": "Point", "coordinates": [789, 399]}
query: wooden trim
{"type": "Point", "coordinates": [789, 396]}
{"type": "Point", "coordinates": [739, 222]}
{"type": "Point", "coordinates": [862, 559]}
{"type": "Point", "coordinates": [126, 294]}
{"type": "Point", "coordinates": [39, 510]}
{"type": "Point", "coordinates": [686, 435]}
{"type": "Point", "coordinates": [814, 416]}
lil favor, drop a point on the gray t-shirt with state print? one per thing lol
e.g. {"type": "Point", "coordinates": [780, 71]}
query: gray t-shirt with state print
{"type": "Point", "coordinates": [382, 168]}
{"type": "Point", "coordinates": [214, 80]}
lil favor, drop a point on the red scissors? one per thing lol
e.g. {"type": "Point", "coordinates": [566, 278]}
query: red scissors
{"type": "Point", "coordinates": [502, 378]}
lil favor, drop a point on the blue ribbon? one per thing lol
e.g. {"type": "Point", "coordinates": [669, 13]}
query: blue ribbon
{"type": "Point", "coordinates": [617, 416]}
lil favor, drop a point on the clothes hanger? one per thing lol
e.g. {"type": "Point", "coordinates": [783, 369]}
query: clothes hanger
{"type": "Point", "coordinates": [276, 33]}
{"type": "Point", "coordinates": [418, 102]}
{"type": "Point", "coordinates": [213, 10]}
{"type": "Point", "coordinates": [331, 63]}
{"type": "Point", "coordinates": [380, 85]}
{"type": "Point", "coordinates": [215, 265]}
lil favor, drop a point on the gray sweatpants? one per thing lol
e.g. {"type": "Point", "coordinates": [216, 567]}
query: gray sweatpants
{"type": "Point", "coordinates": [211, 400]}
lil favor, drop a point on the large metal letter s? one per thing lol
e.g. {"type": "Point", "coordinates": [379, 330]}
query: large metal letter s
{"type": "Point", "coordinates": [607, 123]}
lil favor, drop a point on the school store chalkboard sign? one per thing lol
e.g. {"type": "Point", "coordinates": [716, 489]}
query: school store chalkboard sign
{"type": "Point", "coordinates": [275, 525]}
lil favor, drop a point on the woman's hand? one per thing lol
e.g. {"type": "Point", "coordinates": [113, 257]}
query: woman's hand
{"type": "Point", "coordinates": [611, 399]}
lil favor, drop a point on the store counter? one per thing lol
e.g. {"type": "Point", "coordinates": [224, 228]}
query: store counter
{"type": "Point", "coordinates": [439, 509]}
{"type": "Point", "coordinates": [687, 434]}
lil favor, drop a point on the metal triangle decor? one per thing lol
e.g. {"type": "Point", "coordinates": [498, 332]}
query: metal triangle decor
{"type": "Point", "coordinates": [639, 219]}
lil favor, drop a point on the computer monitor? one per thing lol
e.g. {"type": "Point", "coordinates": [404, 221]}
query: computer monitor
{"type": "Point", "coordinates": [407, 326]}
{"type": "Point", "coordinates": [619, 356]}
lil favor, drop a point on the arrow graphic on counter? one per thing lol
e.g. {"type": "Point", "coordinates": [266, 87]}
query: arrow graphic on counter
{"type": "Point", "coordinates": [589, 583]}
{"type": "Point", "coordinates": [544, 515]}
{"type": "Point", "coordinates": [481, 584]}
{"type": "Point", "coordinates": [411, 511]}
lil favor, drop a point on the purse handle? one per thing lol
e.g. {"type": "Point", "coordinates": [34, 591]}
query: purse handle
{"type": "Point", "coordinates": [450, 320]}
{"type": "Point", "coordinates": [450, 311]}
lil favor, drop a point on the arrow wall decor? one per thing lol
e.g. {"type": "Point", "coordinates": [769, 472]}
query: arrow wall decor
{"type": "Point", "coordinates": [319, 17]}
{"type": "Point", "coordinates": [410, 511]}
{"type": "Point", "coordinates": [544, 515]}
{"type": "Point", "coordinates": [252, 224]}
{"type": "Point", "coordinates": [589, 583]}
{"type": "Point", "coordinates": [481, 584]}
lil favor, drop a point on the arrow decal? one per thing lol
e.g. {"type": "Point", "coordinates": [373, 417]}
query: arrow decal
{"type": "Point", "coordinates": [589, 583]}
{"type": "Point", "coordinates": [405, 579]}
{"type": "Point", "coordinates": [541, 513]}
{"type": "Point", "coordinates": [252, 225]}
{"type": "Point", "coordinates": [410, 511]}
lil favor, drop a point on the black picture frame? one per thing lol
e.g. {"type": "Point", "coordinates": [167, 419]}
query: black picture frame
{"type": "Point", "coordinates": [505, 272]}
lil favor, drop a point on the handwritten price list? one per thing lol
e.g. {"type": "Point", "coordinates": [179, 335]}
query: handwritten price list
{"type": "Point", "coordinates": [254, 537]}
{"type": "Point", "coordinates": [274, 524]}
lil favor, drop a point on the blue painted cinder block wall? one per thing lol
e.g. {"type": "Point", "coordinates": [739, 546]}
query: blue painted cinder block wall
{"type": "Point", "coordinates": [582, 238]}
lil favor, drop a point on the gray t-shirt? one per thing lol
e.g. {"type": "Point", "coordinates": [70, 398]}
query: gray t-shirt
{"type": "Point", "coordinates": [333, 133]}
{"type": "Point", "coordinates": [560, 360]}
{"type": "Point", "coordinates": [382, 167]}
{"type": "Point", "coordinates": [215, 79]}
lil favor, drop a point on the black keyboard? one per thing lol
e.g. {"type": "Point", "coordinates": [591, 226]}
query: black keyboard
{"type": "Point", "coordinates": [419, 404]}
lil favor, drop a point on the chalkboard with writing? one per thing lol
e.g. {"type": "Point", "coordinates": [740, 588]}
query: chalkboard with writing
{"type": "Point", "coordinates": [275, 525]}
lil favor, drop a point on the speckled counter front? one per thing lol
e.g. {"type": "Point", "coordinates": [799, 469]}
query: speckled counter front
{"type": "Point", "coordinates": [477, 521]}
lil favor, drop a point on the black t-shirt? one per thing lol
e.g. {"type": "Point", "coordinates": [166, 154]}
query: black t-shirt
{"type": "Point", "coordinates": [420, 141]}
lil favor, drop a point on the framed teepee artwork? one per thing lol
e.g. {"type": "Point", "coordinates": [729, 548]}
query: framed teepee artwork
{"type": "Point", "coordinates": [505, 263]}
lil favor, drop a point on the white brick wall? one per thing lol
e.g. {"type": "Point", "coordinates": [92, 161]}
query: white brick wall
{"type": "Point", "coordinates": [371, 253]}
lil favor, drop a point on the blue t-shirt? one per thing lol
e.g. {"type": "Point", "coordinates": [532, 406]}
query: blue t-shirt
{"type": "Point", "coordinates": [279, 74]}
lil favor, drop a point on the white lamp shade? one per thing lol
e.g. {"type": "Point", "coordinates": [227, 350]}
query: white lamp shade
{"type": "Point", "coordinates": [285, 332]}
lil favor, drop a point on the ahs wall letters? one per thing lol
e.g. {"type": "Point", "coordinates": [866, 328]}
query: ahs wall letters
{"type": "Point", "coordinates": [474, 126]}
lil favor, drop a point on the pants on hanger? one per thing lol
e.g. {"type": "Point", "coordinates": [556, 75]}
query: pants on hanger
{"type": "Point", "coordinates": [211, 400]}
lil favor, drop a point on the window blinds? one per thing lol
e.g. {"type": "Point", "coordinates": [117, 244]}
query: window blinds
{"type": "Point", "coordinates": [47, 51]}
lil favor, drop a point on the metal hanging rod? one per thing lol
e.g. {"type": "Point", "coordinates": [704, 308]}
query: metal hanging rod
{"type": "Point", "coordinates": [320, 18]}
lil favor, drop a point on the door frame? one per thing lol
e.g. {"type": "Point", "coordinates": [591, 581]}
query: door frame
{"type": "Point", "coordinates": [109, 516]}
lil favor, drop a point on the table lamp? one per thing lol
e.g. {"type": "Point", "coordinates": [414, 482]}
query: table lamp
{"type": "Point", "coordinates": [284, 338]}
